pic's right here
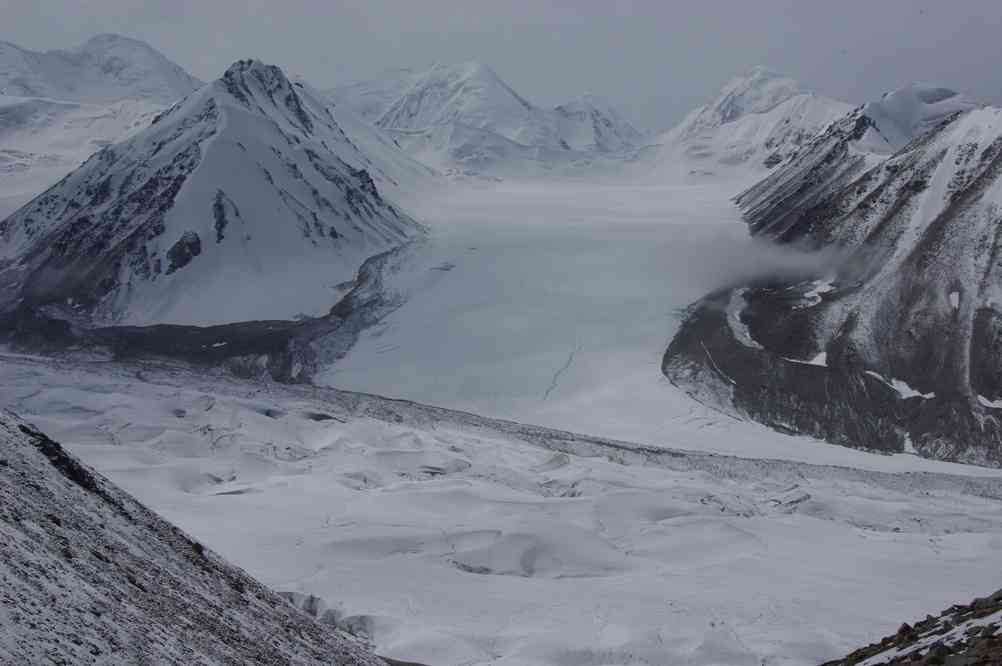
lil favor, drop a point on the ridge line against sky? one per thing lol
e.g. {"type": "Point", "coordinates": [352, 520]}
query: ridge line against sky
{"type": "Point", "coordinates": [654, 60]}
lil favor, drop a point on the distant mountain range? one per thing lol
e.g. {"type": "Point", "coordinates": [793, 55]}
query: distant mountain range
{"type": "Point", "coordinates": [254, 197]}
{"type": "Point", "coordinates": [464, 116]}
{"type": "Point", "coordinates": [106, 68]}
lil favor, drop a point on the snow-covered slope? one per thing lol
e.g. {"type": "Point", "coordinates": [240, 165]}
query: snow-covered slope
{"type": "Point", "coordinates": [593, 123]}
{"type": "Point", "coordinates": [465, 117]}
{"type": "Point", "coordinates": [849, 146]}
{"type": "Point", "coordinates": [106, 68]}
{"type": "Point", "coordinates": [370, 99]}
{"type": "Point", "coordinates": [759, 119]}
{"type": "Point", "coordinates": [905, 328]}
{"type": "Point", "coordinates": [58, 108]}
{"type": "Point", "coordinates": [244, 201]}
{"type": "Point", "coordinates": [90, 576]}
{"type": "Point", "coordinates": [389, 165]}
{"type": "Point", "coordinates": [470, 94]}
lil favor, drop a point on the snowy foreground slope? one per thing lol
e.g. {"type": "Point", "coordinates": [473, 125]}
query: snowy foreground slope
{"type": "Point", "coordinates": [246, 200]}
{"type": "Point", "coordinates": [106, 68]}
{"type": "Point", "coordinates": [90, 576]}
{"type": "Point", "coordinates": [895, 344]}
{"type": "Point", "coordinates": [759, 119]}
{"type": "Point", "coordinates": [465, 117]}
{"type": "Point", "coordinates": [454, 539]}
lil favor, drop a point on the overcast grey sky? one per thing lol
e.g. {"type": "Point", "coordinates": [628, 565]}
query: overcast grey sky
{"type": "Point", "coordinates": [656, 60]}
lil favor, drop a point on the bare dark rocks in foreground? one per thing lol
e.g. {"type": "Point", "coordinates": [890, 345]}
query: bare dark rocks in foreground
{"type": "Point", "coordinates": [962, 635]}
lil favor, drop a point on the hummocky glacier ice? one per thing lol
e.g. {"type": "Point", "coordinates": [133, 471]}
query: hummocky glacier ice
{"type": "Point", "coordinates": [245, 200]}
{"type": "Point", "coordinates": [895, 345]}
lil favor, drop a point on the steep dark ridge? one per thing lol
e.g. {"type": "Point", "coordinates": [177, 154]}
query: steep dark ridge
{"type": "Point", "coordinates": [92, 576]}
{"type": "Point", "coordinates": [901, 345]}
{"type": "Point", "coordinates": [288, 351]}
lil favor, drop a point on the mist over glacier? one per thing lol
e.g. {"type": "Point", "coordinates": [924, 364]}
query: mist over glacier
{"type": "Point", "coordinates": [552, 301]}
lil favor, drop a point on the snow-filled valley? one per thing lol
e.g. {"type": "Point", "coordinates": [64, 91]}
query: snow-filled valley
{"type": "Point", "coordinates": [551, 302]}
{"type": "Point", "coordinates": [447, 538]}
{"type": "Point", "coordinates": [452, 539]}
{"type": "Point", "coordinates": [400, 346]}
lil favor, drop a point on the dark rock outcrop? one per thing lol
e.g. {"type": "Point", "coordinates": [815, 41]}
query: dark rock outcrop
{"type": "Point", "coordinates": [962, 635]}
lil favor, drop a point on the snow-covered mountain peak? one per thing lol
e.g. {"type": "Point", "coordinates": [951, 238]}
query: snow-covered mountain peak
{"type": "Point", "coordinates": [758, 91]}
{"type": "Point", "coordinates": [112, 44]}
{"type": "Point", "coordinates": [759, 118]}
{"type": "Point", "coordinates": [247, 187]}
{"type": "Point", "coordinates": [901, 115]}
{"type": "Point", "coordinates": [591, 122]}
{"type": "Point", "coordinates": [256, 86]}
{"type": "Point", "coordinates": [464, 116]}
{"type": "Point", "coordinates": [105, 68]}
{"type": "Point", "coordinates": [469, 92]}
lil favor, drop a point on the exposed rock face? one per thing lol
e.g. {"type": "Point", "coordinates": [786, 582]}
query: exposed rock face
{"type": "Point", "coordinates": [182, 252]}
{"type": "Point", "coordinates": [92, 576]}
{"type": "Point", "coordinates": [962, 635]}
{"type": "Point", "coordinates": [913, 306]}
{"type": "Point", "coordinates": [254, 162]}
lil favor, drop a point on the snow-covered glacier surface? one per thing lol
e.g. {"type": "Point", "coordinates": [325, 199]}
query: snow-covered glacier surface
{"type": "Point", "coordinates": [552, 302]}
{"type": "Point", "coordinates": [452, 539]}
